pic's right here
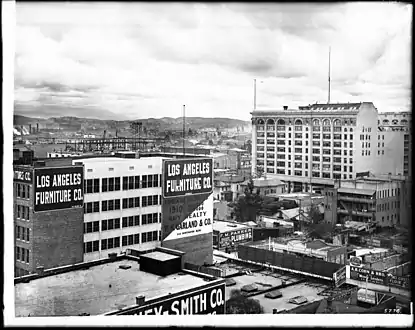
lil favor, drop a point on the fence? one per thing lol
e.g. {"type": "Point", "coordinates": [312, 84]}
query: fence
{"type": "Point", "coordinates": [304, 264]}
{"type": "Point", "coordinates": [205, 270]}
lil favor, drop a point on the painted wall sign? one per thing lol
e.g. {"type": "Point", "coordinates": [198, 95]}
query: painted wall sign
{"type": "Point", "coordinates": [187, 176]}
{"type": "Point", "coordinates": [206, 301]}
{"type": "Point", "coordinates": [23, 175]}
{"type": "Point", "coordinates": [57, 188]}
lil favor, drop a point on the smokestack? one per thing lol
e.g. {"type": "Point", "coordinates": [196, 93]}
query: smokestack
{"type": "Point", "coordinates": [285, 107]}
{"type": "Point", "coordinates": [140, 300]}
{"type": "Point", "coordinates": [30, 128]}
{"type": "Point", "coordinates": [37, 128]}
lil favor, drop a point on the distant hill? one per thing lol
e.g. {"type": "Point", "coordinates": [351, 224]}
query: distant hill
{"type": "Point", "coordinates": [165, 123]}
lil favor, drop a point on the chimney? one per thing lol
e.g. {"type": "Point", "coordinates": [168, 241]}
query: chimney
{"type": "Point", "coordinates": [40, 270]}
{"type": "Point", "coordinates": [30, 128]}
{"type": "Point", "coordinates": [37, 128]}
{"type": "Point", "coordinates": [112, 256]}
{"type": "Point", "coordinates": [330, 303]}
{"type": "Point", "coordinates": [274, 311]}
{"type": "Point", "coordinates": [285, 107]}
{"type": "Point", "coordinates": [140, 300]}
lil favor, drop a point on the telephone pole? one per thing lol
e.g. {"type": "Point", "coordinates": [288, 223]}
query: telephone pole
{"type": "Point", "coordinates": [329, 74]}
{"type": "Point", "coordinates": [184, 127]}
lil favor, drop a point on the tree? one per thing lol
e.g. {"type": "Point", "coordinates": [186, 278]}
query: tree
{"type": "Point", "coordinates": [210, 142]}
{"type": "Point", "coordinates": [240, 304]}
{"type": "Point", "coordinates": [315, 215]}
{"type": "Point", "coordinates": [247, 207]}
{"type": "Point", "coordinates": [259, 171]}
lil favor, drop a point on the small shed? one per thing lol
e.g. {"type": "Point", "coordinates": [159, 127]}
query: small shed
{"type": "Point", "coordinates": [273, 294]}
{"type": "Point", "coordinates": [299, 300]}
{"type": "Point", "coordinates": [249, 288]}
{"type": "Point", "coordinates": [230, 282]}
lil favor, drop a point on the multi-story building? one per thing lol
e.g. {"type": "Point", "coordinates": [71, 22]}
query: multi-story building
{"type": "Point", "coordinates": [122, 205]}
{"type": "Point", "coordinates": [394, 142]}
{"type": "Point", "coordinates": [311, 147]}
{"type": "Point", "coordinates": [47, 233]}
{"type": "Point", "coordinates": [383, 201]}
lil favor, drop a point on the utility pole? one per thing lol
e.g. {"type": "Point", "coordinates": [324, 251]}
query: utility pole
{"type": "Point", "coordinates": [329, 74]}
{"type": "Point", "coordinates": [184, 128]}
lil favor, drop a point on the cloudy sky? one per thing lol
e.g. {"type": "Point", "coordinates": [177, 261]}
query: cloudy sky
{"type": "Point", "coordinates": [139, 60]}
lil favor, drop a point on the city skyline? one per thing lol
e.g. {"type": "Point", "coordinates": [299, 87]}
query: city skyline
{"type": "Point", "coordinates": [127, 61]}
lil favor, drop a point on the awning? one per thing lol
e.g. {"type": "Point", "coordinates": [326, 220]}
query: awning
{"type": "Point", "coordinates": [366, 192]}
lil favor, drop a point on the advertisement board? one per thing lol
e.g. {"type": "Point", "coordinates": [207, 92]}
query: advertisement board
{"type": "Point", "coordinates": [235, 236]}
{"type": "Point", "coordinates": [356, 261]}
{"type": "Point", "coordinates": [187, 176]}
{"type": "Point", "coordinates": [187, 216]}
{"type": "Point", "coordinates": [209, 300]}
{"type": "Point", "coordinates": [23, 175]}
{"type": "Point", "coordinates": [379, 277]}
{"type": "Point", "coordinates": [57, 188]}
{"type": "Point", "coordinates": [339, 277]}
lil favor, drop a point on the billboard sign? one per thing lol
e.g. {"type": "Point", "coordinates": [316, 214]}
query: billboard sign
{"type": "Point", "coordinates": [339, 277]}
{"type": "Point", "coordinates": [187, 216]}
{"type": "Point", "coordinates": [57, 188]}
{"type": "Point", "coordinates": [356, 261]}
{"type": "Point", "coordinates": [209, 300]}
{"type": "Point", "coordinates": [23, 175]}
{"type": "Point", "coordinates": [187, 176]}
{"type": "Point", "coordinates": [235, 236]}
{"type": "Point", "coordinates": [372, 276]}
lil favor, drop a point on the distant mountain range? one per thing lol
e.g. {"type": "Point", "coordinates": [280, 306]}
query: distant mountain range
{"type": "Point", "coordinates": [165, 123]}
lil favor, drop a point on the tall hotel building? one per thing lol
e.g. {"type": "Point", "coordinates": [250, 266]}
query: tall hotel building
{"type": "Point", "coordinates": [312, 146]}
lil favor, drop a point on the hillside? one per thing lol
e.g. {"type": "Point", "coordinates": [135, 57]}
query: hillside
{"type": "Point", "coordinates": [165, 123]}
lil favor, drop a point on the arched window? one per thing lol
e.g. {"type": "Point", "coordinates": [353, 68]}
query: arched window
{"type": "Point", "coordinates": [337, 122]}
{"type": "Point", "coordinates": [316, 122]}
{"type": "Point", "coordinates": [385, 121]}
{"type": "Point", "coordinates": [326, 122]}
{"type": "Point", "coordinates": [298, 122]}
{"type": "Point", "coordinates": [395, 121]}
{"type": "Point", "coordinates": [281, 122]}
{"type": "Point", "coordinates": [261, 122]}
{"type": "Point", "coordinates": [404, 122]}
{"type": "Point", "coordinates": [270, 122]}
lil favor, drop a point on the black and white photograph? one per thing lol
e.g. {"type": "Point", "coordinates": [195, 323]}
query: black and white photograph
{"type": "Point", "coordinates": [229, 163]}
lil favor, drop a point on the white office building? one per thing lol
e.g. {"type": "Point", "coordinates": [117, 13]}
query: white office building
{"type": "Point", "coordinates": [312, 146]}
{"type": "Point", "coordinates": [122, 205]}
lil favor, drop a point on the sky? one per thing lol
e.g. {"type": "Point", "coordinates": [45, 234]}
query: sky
{"type": "Point", "coordinates": [140, 60]}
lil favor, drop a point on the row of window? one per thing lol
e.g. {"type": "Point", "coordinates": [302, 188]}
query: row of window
{"type": "Point", "coordinates": [130, 221]}
{"type": "Point", "coordinates": [128, 183]}
{"type": "Point", "coordinates": [388, 206]}
{"type": "Point", "coordinates": [364, 137]}
{"type": "Point", "coordinates": [316, 122]}
{"type": "Point", "coordinates": [326, 175]}
{"type": "Point", "coordinates": [22, 233]}
{"type": "Point", "coordinates": [127, 203]}
{"type": "Point", "coordinates": [22, 212]}
{"type": "Point", "coordinates": [23, 190]}
{"type": "Point", "coordinates": [116, 242]}
{"type": "Point", "coordinates": [22, 254]}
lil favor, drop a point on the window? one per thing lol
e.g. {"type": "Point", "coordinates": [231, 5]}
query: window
{"type": "Point", "coordinates": [150, 200]}
{"type": "Point", "coordinates": [104, 206]}
{"type": "Point", "coordinates": [149, 236]}
{"type": "Point", "coordinates": [91, 207]}
{"type": "Point", "coordinates": [88, 186]}
{"type": "Point", "coordinates": [150, 218]}
{"type": "Point", "coordinates": [131, 202]}
{"type": "Point", "coordinates": [104, 184]}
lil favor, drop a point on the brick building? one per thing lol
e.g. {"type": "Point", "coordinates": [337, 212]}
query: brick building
{"type": "Point", "coordinates": [49, 238]}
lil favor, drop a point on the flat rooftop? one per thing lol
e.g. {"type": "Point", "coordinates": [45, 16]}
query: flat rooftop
{"type": "Point", "coordinates": [224, 226]}
{"type": "Point", "coordinates": [162, 256]}
{"type": "Point", "coordinates": [267, 281]}
{"type": "Point", "coordinates": [115, 159]}
{"type": "Point", "coordinates": [97, 290]}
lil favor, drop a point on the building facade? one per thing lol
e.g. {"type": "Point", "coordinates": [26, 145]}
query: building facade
{"type": "Point", "coordinates": [122, 205]}
{"type": "Point", "coordinates": [315, 145]}
{"type": "Point", "coordinates": [384, 202]}
{"type": "Point", "coordinates": [46, 238]}
{"type": "Point", "coordinates": [394, 142]}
